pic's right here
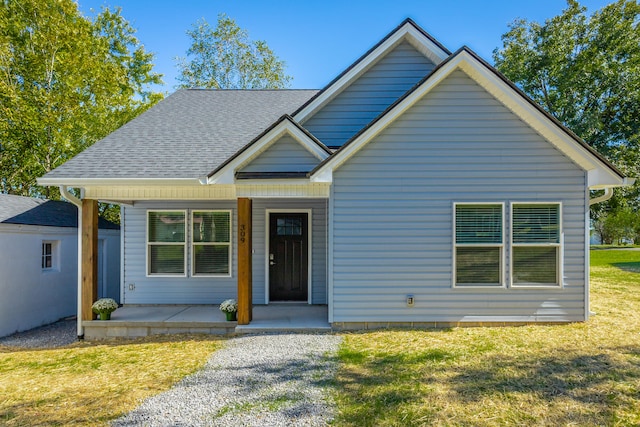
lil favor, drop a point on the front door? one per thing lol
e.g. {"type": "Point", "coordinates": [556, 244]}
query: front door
{"type": "Point", "coordinates": [288, 257]}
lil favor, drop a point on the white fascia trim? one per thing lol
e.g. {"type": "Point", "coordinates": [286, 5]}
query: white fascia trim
{"type": "Point", "coordinates": [226, 175]}
{"type": "Point", "coordinates": [92, 182]}
{"type": "Point", "coordinates": [408, 32]}
{"type": "Point", "coordinates": [424, 45]}
{"type": "Point", "coordinates": [598, 173]}
{"type": "Point", "coordinates": [325, 173]}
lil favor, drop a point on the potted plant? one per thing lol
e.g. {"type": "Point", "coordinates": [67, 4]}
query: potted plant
{"type": "Point", "coordinates": [104, 307]}
{"type": "Point", "coordinates": [230, 308]}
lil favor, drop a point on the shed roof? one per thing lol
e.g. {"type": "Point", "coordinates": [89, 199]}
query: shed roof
{"type": "Point", "coordinates": [51, 213]}
{"type": "Point", "coordinates": [185, 136]}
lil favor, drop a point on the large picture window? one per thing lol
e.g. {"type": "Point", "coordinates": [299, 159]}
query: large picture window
{"type": "Point", "coordinates": [211, 240]}
{"type": "Point", "coordinates": [166, 242]}
{"type": "Point", "coordinates": [479, 244]}
{"type": "Point", "coordinates": [535, 244]}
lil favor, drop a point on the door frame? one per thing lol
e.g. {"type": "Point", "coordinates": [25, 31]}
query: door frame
{"type": "Point", "coordinates": [267, 233]}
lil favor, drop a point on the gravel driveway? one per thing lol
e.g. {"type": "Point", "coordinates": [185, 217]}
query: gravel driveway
{"type": "Point", "coordinates": [260, 380]}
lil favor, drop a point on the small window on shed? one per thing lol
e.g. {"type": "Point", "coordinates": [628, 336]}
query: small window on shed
{"type": "Point", "coordinates": [49, 255]}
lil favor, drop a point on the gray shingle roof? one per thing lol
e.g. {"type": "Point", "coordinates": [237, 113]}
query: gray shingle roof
{"type": "Point", "coordinates": [187, 135]}
{"type": "Point", "coordinates": [29, 211]}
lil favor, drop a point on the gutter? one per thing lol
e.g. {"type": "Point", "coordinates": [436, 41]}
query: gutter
{"type": "Point", "coordinates": [78, 202]}
{"type": "Point", "coordinates": [608, 191]}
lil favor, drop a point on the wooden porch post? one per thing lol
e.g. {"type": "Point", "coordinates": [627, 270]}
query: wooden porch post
{"type": "Point", "coordinates": [89, 257]}
{"type": "Point", "coordinates": [245, 308]}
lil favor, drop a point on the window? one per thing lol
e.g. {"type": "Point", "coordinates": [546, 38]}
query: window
{"type": "Point", "coordinates": [289, 226]}
{"type": "Point", "coordinates": [478, 244]}
{"type": "Point", "coordinates": [211, 240]}
{"type": "Point", "coordinates": [47, 255]}
{"type": "Point", "coordinates": [535, 244]}
{"type": "Point", "coordinates": [166, 244]}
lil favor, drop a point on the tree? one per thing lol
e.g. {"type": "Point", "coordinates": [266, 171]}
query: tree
{"type": "Point", "coordinates": [585, 71]}
{"type": "Point", "coordinates": [65, 82]}
{"type": "Point", "coordinates": [225, 58]}
{"type": "Point", "coordinates": [622, 226]}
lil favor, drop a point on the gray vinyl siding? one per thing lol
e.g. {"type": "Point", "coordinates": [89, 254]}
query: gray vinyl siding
{"type": "Point", "coordinates": [369, 95]}
{"type": "Point", "coordinates": [319, 244]}
{"type": "Point", "coordinates": [213, 290]}
{"type": "Point", "coordinates": [285, 155]}
{"type": "Point", "coordinates": [393, 212]}
{"type": "Point", "coordinates": [171, 290]}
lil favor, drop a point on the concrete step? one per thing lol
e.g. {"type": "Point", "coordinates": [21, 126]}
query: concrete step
{"type": "Point", "coordinates": [257, 328]}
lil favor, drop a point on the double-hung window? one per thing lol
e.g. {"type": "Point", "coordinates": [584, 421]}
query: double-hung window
{"type": "Point", "coordinates": [479, 244]}
{"type": "Point", "coordinates": [166, 243]}
{"type": "Point", "coordinates": [535, 244]}
{"type": "Point", "coordinates": [211, 240]}
{"type": "Point", "coordinates": [47, 255]}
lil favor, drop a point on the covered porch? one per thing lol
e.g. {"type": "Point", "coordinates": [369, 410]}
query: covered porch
{"type": "Point", "coordinates": [162, 304]}
{"type": "Point", "coordinates": [145, 320]}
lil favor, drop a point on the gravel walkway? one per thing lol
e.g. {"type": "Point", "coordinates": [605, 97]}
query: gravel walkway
{"type": "Point", "coordinates": [56, 334]}
{"type": "Point", "coordinates": [260, 380]}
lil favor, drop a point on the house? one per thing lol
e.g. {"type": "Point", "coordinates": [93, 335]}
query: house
{"type": "Point", "coordinates": [38, 262]}
{"type": "Point", "coordinates": [419, 187]}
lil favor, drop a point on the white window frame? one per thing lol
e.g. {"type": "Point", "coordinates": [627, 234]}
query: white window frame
{"type": "Point", "coordinates": [54, 255]}
{"type": "Point", "coordinates": [149, 244]}
{"type": "Point", "coordinates": [501, 245]}
{"type": "Point", "coordinates": [559, 248]}
{"type": "Point", "coordinates": [193, 244]}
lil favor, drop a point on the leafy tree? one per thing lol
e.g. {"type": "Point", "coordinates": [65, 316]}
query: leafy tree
{"type": "Point", "coordinates": [65, 82]}
{"type": "Point", "coordinates": [621, 226]}
{"type": "Point", "coordinates": [585, 71]}
{"type": "Point", "coordinates": [225, 58]}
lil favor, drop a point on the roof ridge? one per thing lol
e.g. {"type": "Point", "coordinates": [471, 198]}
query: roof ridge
{"type": "Point", "coordinates": [204, 89]}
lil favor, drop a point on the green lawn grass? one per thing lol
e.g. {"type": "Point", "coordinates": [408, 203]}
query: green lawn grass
{"type": "Point", "coordinates": [89, 384]}
{"type": "Point", "coordinates": [574, 374]}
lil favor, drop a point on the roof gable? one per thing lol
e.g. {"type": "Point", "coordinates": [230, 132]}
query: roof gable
{"type": "Point", "coordinates": [285, 154]}
{"type": "Point", "coordinates": [408, 31]}
{"type": "Point", "coordinates": [390, 77]}
{"type": "Point", "coordinates": [601, 173]}
{"type": "Point", "coordinates": [269, 145]}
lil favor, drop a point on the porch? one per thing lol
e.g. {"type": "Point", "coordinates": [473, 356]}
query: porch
{"type": "Point", "coordinates": [140, 321]}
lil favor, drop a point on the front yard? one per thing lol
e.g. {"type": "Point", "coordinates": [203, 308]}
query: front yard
{"type": "Point", "coordinates": [578, 374]}
{"type": "Point", "coordinates": [89, 384]}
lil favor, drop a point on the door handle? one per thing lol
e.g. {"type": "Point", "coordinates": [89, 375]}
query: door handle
{"type": "Point", "coordinates": [272, 263]}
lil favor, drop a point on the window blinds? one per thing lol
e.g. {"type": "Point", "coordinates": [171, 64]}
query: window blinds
{"type": "Point", "coordinates": [479, 224]}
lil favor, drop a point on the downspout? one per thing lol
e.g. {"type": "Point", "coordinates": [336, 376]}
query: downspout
{"type": "Point", "coordinates": [73, 199]}
{"type": "Point", "coordinates": [608, 193]}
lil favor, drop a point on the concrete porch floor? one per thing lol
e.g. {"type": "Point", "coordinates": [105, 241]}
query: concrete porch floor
{"type": "Point", "coordinates": [140, 321]}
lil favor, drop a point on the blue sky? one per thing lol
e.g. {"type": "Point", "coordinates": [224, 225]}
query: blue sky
{"type": "Point", "coordinates": [318, 39]}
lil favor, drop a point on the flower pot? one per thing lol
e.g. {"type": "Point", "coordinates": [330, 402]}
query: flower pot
{"type": "Point", "coordinates": [105, 315]}
{"type": "Point", "coordinates": [231, 315]}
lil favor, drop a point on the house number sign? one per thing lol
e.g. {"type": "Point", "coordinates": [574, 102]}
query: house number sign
{"type": "Point", "coordinates": [243, 233]}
